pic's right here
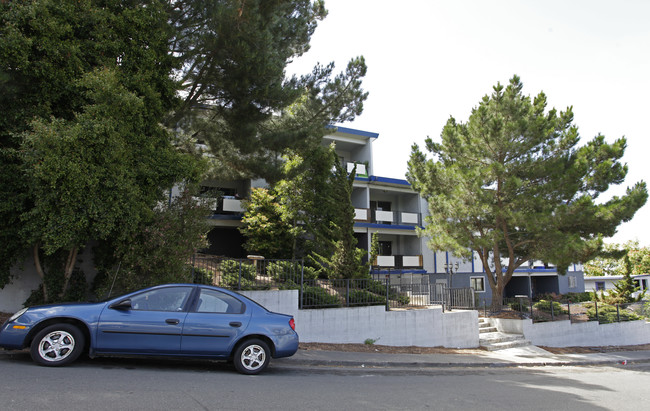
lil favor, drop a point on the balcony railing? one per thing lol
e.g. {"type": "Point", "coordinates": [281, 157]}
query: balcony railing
{"type": "Point", "coordinates": [399, 261]}
{"type": "Point", "coordinates": [387, 217]}
{"type": "Point", "coordinates": [222, 205]}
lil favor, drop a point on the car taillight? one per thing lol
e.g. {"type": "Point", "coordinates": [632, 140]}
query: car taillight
{"type": "Point", "coordinates": [292, 324]}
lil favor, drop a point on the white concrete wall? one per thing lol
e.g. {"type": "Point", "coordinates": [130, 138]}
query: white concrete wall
{"type": "Point", "coordinates": [25, 280]}
{"type": "Point", "coordinates": [587, 334]}
{"type": "Point", "coordinates": [425, 328]}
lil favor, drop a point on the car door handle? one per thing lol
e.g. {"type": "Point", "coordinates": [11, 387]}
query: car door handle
{"type": "Point", "coordinates": [235, 324]}
{"type": "Point", "coordinates": [172, 321]}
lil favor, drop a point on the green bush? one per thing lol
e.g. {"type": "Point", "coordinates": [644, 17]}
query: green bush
{"type": "Point", "coordinates": [607, 314]}
{"type": "Point", "coordinates": [364, 297]}
{"type": "Point", "coordinates": [379, 288]}
{"type": "Point", "coordinates": [576, 297]}
{"type": "Point", "coordinates": [545, 306]}
{"type": "Point", "coordinates": [230, 272]}
{"type": "Point", "coordinates": [519, 306]}
{"type": "Point", "coordinates": [203, 275]}
{"type": "Point", "coordinates": [314, 295]}
{"type": "Point", "coordinates": [281, 271]}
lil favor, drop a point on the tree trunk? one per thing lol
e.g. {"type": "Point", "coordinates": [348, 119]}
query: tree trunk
{"type": "Point", "coordinates": [69, 267]}
{"type": "Point", "coordinates": [39, 270]}
{"type": "Point", "coordinates": [497, 297]}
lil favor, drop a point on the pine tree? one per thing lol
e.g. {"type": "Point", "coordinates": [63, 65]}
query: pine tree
{"type": "Point", "coordinates": [513, 184]}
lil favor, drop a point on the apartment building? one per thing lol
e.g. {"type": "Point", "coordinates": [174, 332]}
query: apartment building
{"type": "Point", "coordinates": [389, 208]}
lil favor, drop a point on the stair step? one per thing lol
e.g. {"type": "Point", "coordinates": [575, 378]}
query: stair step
{"type": "Point", "coordinates": [497, 337]}
{"type": "Point", "coordinates": [506, 344]}
{"type": "Point", "coordinates": [483, 330]}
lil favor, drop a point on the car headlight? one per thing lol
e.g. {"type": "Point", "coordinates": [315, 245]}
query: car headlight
{"type": "Point", "coordinates": [18, 314]}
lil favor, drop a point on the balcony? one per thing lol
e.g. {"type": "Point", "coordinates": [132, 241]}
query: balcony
{"type": "Point", "coordinates": [362, 171]}
{"type": "Point", "coordinates": [224, 205]}
{"type": "Point", "coordinates": [398, 261]}
{"type": "Point", "coordinates": [366, 215]}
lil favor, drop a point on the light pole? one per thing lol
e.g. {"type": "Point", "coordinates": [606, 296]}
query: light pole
{"type": "Point", "coordinates": [451, 269]}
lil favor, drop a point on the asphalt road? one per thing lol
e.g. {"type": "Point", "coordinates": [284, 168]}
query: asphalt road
{"type": "Point", "coordinates": [152, 384]}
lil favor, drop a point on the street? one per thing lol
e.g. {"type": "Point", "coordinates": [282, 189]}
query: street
{"type": "Point", "coordinates": [134, 384]}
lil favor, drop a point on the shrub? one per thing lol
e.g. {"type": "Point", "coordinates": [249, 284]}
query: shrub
{"type": "Point", "coordinates": [364, 297]}
{"type": "Point", "coordinates": [545, 305]}
{"type": "Point", "coordinates": [281, 271]}
{"type": "Point", "coordinates": [315, 295]}
{"type": "Point", "coordinates": [576, 297]}
{"type": "Point", "coordinates": [230, 272]}
{"type": "Point", "coordinates": [608, 314]}
{"type": "Point", "coordinates": [521, 306]}
{"type": "Point", "coordinates": [203, 275]}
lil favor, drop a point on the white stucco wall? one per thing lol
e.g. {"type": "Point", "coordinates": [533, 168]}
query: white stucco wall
{"type": "Point", "coordinates": [25, 280]}
{"type": "Point", "coordinates": [587, 334]}
{"type": "Point", "coordinates": [425, 328]}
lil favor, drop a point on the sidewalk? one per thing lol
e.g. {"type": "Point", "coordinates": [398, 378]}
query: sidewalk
{"type": "Point", "coordinates": [530, 356]}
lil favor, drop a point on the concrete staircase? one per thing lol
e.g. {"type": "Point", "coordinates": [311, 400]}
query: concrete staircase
{"type": "Point", "coordinates": [492, 340]}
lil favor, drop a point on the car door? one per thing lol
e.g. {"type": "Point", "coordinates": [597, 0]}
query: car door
{"type": "Point", "coordinates": [216, 322]}
{"type": "Point", "coordinates": [147, 323]}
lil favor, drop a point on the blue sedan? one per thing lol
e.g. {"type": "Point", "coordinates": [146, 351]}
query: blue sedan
{"type": "Point", "coordinates": [170, 320]}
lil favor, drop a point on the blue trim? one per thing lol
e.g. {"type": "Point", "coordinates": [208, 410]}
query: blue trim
{"type": "Point", "coordinates": [435, 262]}
{"type": "Point", "coordinates": [346, 130]}
{"type": "Point", "coordinates": [398, 271]}
{"type": "Point", "coordinates": [361, 178]}
{"type": "Point", "coordinates": [225, 216]}
{"type": "Point", "coordinates": [535, 270]}
{"type": "Point", "coordinates": [389, 226]}
{"type": "Point", "coordinates": [390, 180]}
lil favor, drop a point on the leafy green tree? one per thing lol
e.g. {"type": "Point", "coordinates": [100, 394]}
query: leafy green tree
{"type": "Point", "coordinates": [346, 260]}
{"type": "Point", "coordinates": [96, 176]}
{"type": "Point", "coordinates": [611, 261]}
{"type": "Point", "coordinates": [513, 185]}
{"type": "Point", "coordinates": [85, 85]}
{"type": "Point", "coordinates": [238, 100]}
{"type": "Point", "coordinates": [305, 193]}
{"type": "Point", "coordinates": [159, 251]}
{"type": "Point", "coordinates": [267, 231]}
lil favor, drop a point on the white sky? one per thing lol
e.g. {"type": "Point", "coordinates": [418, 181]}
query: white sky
{"type": "Point", "coordinates": [428, 60]}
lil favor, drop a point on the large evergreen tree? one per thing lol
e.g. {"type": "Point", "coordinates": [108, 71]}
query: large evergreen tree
{"type": "Point", "coordinates": [513, 185]}
{"type": "Point", "coordinates": [237, 98]}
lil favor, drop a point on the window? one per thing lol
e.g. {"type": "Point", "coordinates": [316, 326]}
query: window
{"type": "Point", "coordinates": [162, 299]}
{"type": "Point", "coordinates": [212, 301]}
{"type": "Point", "coordinates": [572, 281]}
{"type": "Point", "coordinates": [600, 286]}
{"type": "Point", "coordinates": [477, 284]}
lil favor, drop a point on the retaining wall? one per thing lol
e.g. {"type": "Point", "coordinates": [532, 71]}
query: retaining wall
{"type": "Point", "coordinates": [586, 334]}
{"type": "Point", "coordinates": [425, 327]}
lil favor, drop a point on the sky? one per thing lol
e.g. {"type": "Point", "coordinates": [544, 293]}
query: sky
{"type": "Point", "coordinates": [429, 60]}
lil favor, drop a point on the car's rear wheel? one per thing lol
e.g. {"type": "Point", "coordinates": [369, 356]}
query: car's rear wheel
{"type": "Point", "coordinates": [56, 345]}
{"type": "Point", "coordinates": [252, 356]}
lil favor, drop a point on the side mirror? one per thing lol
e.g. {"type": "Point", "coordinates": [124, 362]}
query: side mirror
{"type": "Point", "coordinates": [122, 305]}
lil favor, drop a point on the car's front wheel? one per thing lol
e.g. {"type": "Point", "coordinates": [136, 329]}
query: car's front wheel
{"type": "Point", "coordinates": [56, 345]}
{"type": "Point", "coordinates": [252, 356]}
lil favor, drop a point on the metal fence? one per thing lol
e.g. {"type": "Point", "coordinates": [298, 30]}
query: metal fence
{"type": "Point", "coordinates": [264, 274]}
{"type": "Point", "coordinates": [551, 310]}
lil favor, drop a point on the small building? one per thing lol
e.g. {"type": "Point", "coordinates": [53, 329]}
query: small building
{"type": "Point", "coordinates": [606, 282]}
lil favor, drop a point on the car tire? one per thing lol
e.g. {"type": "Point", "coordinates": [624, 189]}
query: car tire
{"type": "Point", "coordinates": [57, 345]}
{"type": "Point", "coordinates": [252, 357]}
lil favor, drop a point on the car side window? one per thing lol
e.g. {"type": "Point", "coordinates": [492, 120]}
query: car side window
{"type": "Point", "coordinates": [162, 299]}
{"type": "Point", "coordinates": [212, 301]}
